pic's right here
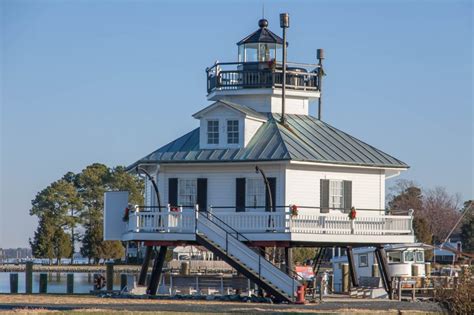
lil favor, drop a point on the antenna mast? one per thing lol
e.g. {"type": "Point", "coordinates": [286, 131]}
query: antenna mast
{"type": "Point", "coordinates": [320, 56]}
{"type": "Point", "coordinates": [284, 24]}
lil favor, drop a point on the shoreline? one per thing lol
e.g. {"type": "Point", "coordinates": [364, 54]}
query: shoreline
{"type": "Point", "coordinates": [71, 268]}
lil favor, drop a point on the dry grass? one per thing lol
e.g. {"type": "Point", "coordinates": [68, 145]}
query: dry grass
{"type": "Point", "coordinates": [67, 304]}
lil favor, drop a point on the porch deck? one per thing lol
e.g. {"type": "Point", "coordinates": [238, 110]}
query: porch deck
{"type": "Point", "coordinates": [327, 228]}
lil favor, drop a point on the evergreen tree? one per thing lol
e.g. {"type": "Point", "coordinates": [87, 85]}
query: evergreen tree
{"type": "Point", "coordinates": [92, 183]}
{"type": "Point", "coordinates": [303, 254]}
{"type": "Point", "coordinates": [61, 245]}
{"type": "Point", "coordinates": [467, 227]}
{"type": "Point", "coordinates": [78, 199]}
{"type": "Point", "coordinates": [121, 181]}
{"type": "Point", "coordinates": [44, 234]}
{"type": "Point", "coordinates": [111, 250]}
{"type": "Point", "coordinates": [52, 205]}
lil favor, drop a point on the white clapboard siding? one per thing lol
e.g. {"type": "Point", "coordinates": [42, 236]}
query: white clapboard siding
{"type": "Point", "coordinates": [303, 185]}
{"type": "Point", "coordinates": [221, 180]}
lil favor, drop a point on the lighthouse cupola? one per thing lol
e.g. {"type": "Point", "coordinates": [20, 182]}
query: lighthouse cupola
{"type": "Point", "coordinates": [261, 46]}
{"type": "Point", "coordinates": [262, 78]}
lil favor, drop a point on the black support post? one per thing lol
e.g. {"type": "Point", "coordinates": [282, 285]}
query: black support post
{"type": "Point", "coordinates": [352, 267]}
{"type": "Point", "coordinates": [145, 265]}
{"type": "Point", "coordinates": [383, 266]}
{"type": "Point", "coordinates": [289, 260]}
{"type": "Point", "coordinates": [318, 260]}
{"type": "Point", "coordinates": [156, 272]}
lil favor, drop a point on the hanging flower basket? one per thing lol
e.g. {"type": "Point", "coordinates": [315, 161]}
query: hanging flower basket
{"type": "Point", "coordinates": [352, 213]}
{"type": "Point", "coordinates": [294, 210]}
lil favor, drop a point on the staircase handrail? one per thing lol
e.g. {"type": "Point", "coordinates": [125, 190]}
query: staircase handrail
{"type": "Point", "coordinates": [293, 274]}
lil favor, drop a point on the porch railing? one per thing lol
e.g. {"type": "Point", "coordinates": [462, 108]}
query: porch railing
{"type": "Point", "coordinates": [240, 75]}
{"type": "Point", "coordinates": [182, 220]}
{"type": "Point", "coordinates": [169, 221]}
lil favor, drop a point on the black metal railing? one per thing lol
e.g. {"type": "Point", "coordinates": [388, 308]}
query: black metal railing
{"type": "Point", "coordinates": [241, 75]}
{"type": "Point", "coordinates": [241, 238]}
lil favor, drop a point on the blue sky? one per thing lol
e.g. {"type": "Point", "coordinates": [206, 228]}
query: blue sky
{"type": "Point", "coordinates": [110, 81]}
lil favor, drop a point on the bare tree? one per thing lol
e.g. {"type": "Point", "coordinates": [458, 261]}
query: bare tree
{"type": "Point", "coordinates": [436, 211]}
{"type": "Point", "coordinates": [441, 210]}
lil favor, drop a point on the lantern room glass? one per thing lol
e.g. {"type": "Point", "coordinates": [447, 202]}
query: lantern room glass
{"type": "Point", "coordinates": [260, 52]}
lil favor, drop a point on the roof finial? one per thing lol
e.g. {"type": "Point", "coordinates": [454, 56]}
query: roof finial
{"type": "Point", "coordinates": [263, 23]}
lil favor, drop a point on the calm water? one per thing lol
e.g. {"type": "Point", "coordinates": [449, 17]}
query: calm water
{"type": "Point", "coordinates": [83, 282]}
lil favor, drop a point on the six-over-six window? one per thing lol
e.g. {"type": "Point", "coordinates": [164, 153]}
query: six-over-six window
{"type": "Point", "coordinates": [213, 132]}
{"type": "Point", "coordinates": [336, 194]}
{"type": "Point", "coordinates": [255, 193]}
{"type": "Point", "coordinates": [187, 192]}
{"type": "Point", "coordinates": [232, 131]}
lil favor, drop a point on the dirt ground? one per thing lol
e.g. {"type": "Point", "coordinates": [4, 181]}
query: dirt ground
{"type": "Point", "coordinates": [62, 304]}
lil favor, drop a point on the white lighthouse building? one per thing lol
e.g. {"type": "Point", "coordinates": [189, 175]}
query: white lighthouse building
{"type": "Point", "coordinates": [260, 171]}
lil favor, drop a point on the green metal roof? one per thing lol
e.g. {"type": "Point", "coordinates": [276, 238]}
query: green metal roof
{"type": "Point", "coordinates": [304, 138]}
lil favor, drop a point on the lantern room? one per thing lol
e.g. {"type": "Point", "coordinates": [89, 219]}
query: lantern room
{"type": "Point", "coordinates": [261, 46]}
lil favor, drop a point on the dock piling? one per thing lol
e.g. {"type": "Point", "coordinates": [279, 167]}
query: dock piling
{"type": "Point", "coordinates": [13, 283]}
{"type": "Point", "coordinates": [43, 283]}
{"type": "Point", "coordinates": [70, 283]}
{"type": "Point", "coordinates": [110, 276]}
{"type": "Point", "coordinates": [29, 277]}
{"type": "Point", "coordinates": [375, 271]}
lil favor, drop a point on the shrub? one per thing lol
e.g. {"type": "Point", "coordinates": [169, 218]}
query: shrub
{"type": "Point", "coordinates": [460, 298]}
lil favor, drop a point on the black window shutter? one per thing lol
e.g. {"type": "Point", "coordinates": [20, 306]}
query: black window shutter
{"type": "Point", "coordinates": [240, 194]}
{"type": "Point", "coordinates": [272, 184]}
{"type": "Point", "coordinates": [202, 194]}
{"type": "Point", "coordinates": [173, 191]}
{"type": "Point", "coordinates": [347, 195]}
{"type": "Point", "coordinates": [324, 195]}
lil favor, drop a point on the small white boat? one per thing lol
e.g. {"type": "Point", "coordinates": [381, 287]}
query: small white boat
{"type": "Point", "coordinates": [402, 259]}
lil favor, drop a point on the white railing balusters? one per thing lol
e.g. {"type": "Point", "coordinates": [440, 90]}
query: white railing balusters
{"type": "Point", "coordinates": [182, 221]}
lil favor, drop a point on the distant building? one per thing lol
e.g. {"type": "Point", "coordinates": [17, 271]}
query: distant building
{"type": "Point", "coordinates": [448, 256]}
{"type": "Point", "coordinates": [10, 254]}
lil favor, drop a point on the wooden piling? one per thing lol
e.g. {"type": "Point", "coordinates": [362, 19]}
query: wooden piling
{"type": "Point", "coordinates": [345, 278]}
{"type": "Point", "coordinates": [427, 269]}
{"type": "Point", "coordinates": [13, 283]}
{"type": "Point", "coordinates": [70, 283]}
{"type": "Point", "coordinates": [110, 276]}
{"type": "Point", "coordinates": [43, 283]}
{"type": "Point", "coordinates": [375, 270]}
{"type": "Point", "coordinates": [29, 277]}
{"type": "Point", "coordinates": [184, 270]}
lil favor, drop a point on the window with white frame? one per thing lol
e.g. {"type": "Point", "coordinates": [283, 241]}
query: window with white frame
{"type": "Point", "coordinates": [232, 131]}
{"type": "Point", "coordinates": [363, 260]}
{"type": "Point", "coordinates": [336, 194]}
{"type": "Point", "coordinates": [212, 132]}
{"type": "Point", "coordinates": [255, 193]}
{"type": "Point", "coordinates": [187, 192]}
{"type": "Point", "coordinates": [394, 257]}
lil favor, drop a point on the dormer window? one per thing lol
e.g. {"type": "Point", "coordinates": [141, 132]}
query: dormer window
{"type": "Point", "coordinates": [213, 132]}
{"type": "Point", "coordinates": [233, 132]}
{"type": "Point", "coordinates": [226, 125]}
